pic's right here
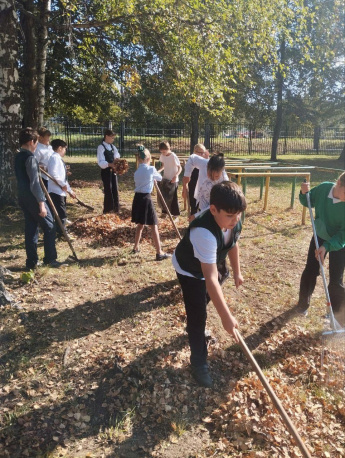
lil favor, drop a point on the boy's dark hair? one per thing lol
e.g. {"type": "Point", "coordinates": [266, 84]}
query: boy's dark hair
{"type": "Point", "coordinates": [164, 145]}
{"type": "Point", "coordinates": [109, 133]}
{"type": "Point", "coordinates": [26, 135]}
{"type": "Point", "coordinates": [228, 196]}
{"type": "Point", "coordinates": [216, 162]}
{"type": "Point", "coordinates": [44, 132]}
{"type": "Point", "coordinates": [56, 143]}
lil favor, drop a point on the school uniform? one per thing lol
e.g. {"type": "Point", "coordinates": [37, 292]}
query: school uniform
{"type": "Point", "coordinates": [30, 194]}
{"type": "Point", "coordinates": [204, 242]}
{"type": "Point", "coordinates": [57, 169]}
{"type": "Point", "coordinates": [330, 230]}
{"type": "Point", "coordinates": [42, 154]}
{"type": "Point", "coordinates": [203, 198]}
{"type": "Point", "coordinates": [191, 190]}
{"type": "Point", "coordinates": [106, 153]}
{"type": "Point", "coordinates": [200, 163]}
{"type": "Point", "coordinates": [171, 164]}
{"type": "Point", "coordinates": [143, 211]}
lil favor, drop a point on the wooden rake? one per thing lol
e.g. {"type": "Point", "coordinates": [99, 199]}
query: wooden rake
{"type": "Point", "coordinates": [52, 206]}
{"type": "Point", "coordinates": [167, 210]}
{"type": "Point", "coordinates": [80, 202]}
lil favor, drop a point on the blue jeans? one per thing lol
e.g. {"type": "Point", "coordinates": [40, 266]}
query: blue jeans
{"type": "Point", "coordinates": [32, 222]}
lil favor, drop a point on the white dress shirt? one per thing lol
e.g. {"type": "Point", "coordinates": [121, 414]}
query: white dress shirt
{"type": "Point", "coordinates": [100, 154]}
{"type": "Point", "coordinates": [57, 169]}
{"type": "Point", "coordinates": [42, 154]}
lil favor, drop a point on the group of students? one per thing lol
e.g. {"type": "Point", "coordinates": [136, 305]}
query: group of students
{"type": "Point", "coordinates": [212, 236]}
{"type": "Point", "coordinates": [36, 154]}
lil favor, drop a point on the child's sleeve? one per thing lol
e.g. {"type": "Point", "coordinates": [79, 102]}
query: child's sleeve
{"type": "Point", "coordinates": [336, 243]}
{"type": "Point", "coordinates": [188, 168]}
{"type": "Point", "coordinates": [204, 245]}
{"type": "Point", "coordinates": [156, 175]}
{"type": "Point", "coordinates": [101, 158]}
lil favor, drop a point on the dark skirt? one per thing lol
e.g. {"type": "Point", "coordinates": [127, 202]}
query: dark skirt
{"type": "Point", "coordinates": [143, 211]}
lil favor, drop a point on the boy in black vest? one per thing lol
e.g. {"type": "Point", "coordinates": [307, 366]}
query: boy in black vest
{"type": "Point", "coordinates": [32, 201]}
{"type": "Point", "coordinates": [209, 239]}
{"type": "Point", "coordinates": [106, 153]}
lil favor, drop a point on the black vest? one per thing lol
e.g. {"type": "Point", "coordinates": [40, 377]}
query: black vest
{"type": "Point", "coordinates": [185, 253]}
{"type": "Point", "coordinates": [109, 154]}
{"type": "Point", "coordinates": [23, 180]}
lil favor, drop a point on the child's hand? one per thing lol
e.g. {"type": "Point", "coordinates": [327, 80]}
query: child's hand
{"type": "Point", "coordinates": [72, 194]}
{"type": "Point", "coordinates": [322, 253]}
{"type": "Point", "coordinates": [43, 210]}
{"type": "Point", "coordinates": [64, 188]}
{"type": "Point", "coordinates": [174, 179]}
{"type": "Point", "coordinates": [305, 187]}
{"type": "Point", "coordinates": [238, 279]}
{"type": "Point", "coordinates": [191, 218]}
{"type": "Point", "coordinates": [229, 324]}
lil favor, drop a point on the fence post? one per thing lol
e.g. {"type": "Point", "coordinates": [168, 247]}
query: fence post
{"type": "Point", "coordinates": [122, 137]}
{"type": "Point", "coordinates": [207, 141]}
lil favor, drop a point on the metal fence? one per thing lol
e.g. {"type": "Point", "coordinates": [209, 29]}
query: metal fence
{"type": "Point", "coordinates": [231, 139]}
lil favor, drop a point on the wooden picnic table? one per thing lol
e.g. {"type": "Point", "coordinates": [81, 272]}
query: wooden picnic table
{"type": "Point", "coordinates": [268, 175]}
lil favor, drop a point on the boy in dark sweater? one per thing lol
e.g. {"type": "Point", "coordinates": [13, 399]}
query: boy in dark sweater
{"type": "Point", "coordinates": [32, 201]}
{"type": "Point", "coordinates": [210, 238]}
{"type": "Point", "coordinates": [329, 202]}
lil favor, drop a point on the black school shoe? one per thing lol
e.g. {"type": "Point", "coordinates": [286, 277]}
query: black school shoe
{"type": "Point", "coordinates": [160, 257]}
{"type": "Point", "coordinates": [202, 376]}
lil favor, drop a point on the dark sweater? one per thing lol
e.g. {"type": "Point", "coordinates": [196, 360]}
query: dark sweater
{"type": "Point", "coordinates": [185, 253]}
{"type": "Point", "coordinates": [27, 173]}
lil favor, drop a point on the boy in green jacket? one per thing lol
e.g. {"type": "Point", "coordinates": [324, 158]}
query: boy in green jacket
{"type": "Point", "coordinates": [329, 202]}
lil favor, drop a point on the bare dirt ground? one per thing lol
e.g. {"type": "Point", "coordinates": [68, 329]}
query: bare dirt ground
{"type": "Point", "coordinates": [94, 358]}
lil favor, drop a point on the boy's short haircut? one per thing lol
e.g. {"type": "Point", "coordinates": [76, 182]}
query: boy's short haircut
{"type": "Point", "coordinates": [26, 135]}
{"type": "Point", "coordinates": [164, 145]}
{"type": "Point", "coordinates": [228, 196]}
{"type": "Point", "coordinates": [342, 179]}
{"type": "Point", "coordinates": [216, 162]}
{"type": "Point", "coordinates": [109, 133]}
{"type": "Point", "coordinates": [44, 132]}
{"type": "Point", "coordinates": [56, 143]}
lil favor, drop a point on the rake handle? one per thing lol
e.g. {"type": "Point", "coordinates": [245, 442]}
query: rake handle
{"type": "Point", "coordinates": [57, 217]}
{"type": "Point", "coordinates": [277, 404]}
{"type": "Point", "coordinates": [167, 209]}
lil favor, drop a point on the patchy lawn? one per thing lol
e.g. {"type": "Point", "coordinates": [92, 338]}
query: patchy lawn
{"type": "Point", "coordinates": [94, 358]}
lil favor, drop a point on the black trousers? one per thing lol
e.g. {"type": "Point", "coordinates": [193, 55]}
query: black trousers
{"type": "Point", "coordinates": [60, 206]}
{"type": "Point", "coordinates": [195, 301]}
{"type": "Point", "coordinates": [336, 273]}
{"type": "Point", "coordinates": [191, 189]}
{"type": "Point", "coordinates": [30, 209]}
{"type": "Point", "coordinates": [111, 193]}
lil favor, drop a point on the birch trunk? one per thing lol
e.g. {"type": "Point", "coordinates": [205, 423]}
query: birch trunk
{"type": "Point", "coordinates": [42, 47]}
{"type": "Point", "coordinates": [9, 100]}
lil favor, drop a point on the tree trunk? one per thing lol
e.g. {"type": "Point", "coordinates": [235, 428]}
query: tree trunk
{"type": "Point", "coordinates": [9, 100]}
{"type": "Point", "coordinates": [194, 135]}
{"type": "Point", "coordinates": [316, 138]}
{"type": "Point", "coordinates": [279, 114]}
{"type": "Point", "coordinates": [207, 141]}
{"type": "Point", "coordinates": [42, 47]}
{"type": "Point", "coordinates": [29, 70]}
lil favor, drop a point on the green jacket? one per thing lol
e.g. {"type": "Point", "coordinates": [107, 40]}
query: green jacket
{"type": "Point", "coordinates": [329, 216]}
